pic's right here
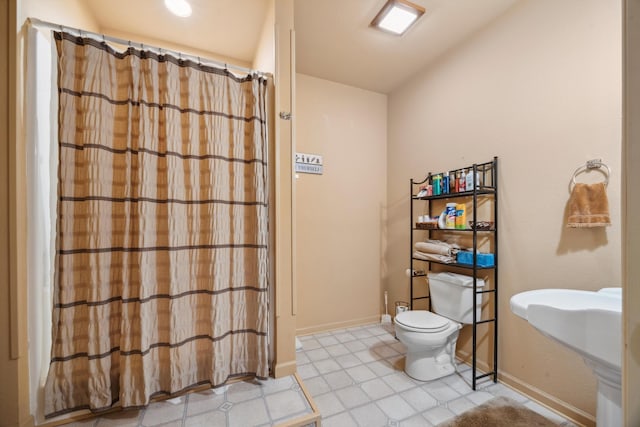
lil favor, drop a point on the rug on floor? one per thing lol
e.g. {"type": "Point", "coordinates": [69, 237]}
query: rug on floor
{"type": "Point", "coordinates": [499, 412]}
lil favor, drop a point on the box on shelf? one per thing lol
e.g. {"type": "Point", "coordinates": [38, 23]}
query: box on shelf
{"type": "Point", "coordinates": [482, 260]}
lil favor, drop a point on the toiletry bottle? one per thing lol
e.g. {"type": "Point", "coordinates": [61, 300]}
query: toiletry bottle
{"type": "Point", "coordinates": [461, 216]}
{"type": "Point", "coordinates": [452, 183]}
{"type": "Point", "coordinates": [456, 182]}
{"type": "Point", "coordinates": [462, 180]}
{"type": "Point", "coordinates": [436, 185]}
{"type": "Point", "coordinates": [450, 211]}
{"type": "Point", "coordinates": [445, 183]}
{"type": "Point", "coordinates": [469, 180]}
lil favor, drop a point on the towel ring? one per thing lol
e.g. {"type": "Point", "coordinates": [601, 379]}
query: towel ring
{"type": "Point", "coordinates": [592, 164]}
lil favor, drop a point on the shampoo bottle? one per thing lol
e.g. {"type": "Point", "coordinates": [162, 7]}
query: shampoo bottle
{"type": "Point", "coordinates": [436, 185]}
{"type": "Point", "coordinates": [469, 180]}
{"type": "Point", "coordinates": [445, 183]}
{"type": "Point", "coordinates": [462, 181]}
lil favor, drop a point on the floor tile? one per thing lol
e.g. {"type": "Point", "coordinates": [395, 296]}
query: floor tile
{"type": "Point", "coordinates": [274, 385]}
{"type": "Point", "coordinates": [367, 356]}
{"type": "Point", "coordinates": [438, 415]}
{"type": "Point", "coordinates": [162, 412]}
{"type": "Point", "coordinates": [317, 386]}
{"type": "Point", "coordinates": [545, 412]}
{"type": "Point", "coordinates": [215, 418]}
{"type": "Point", "coordinates": [327, 341]}
{"type": "Point", "coordinates": [302, 358]}
{"type": "Point", "coordinates": [504, 391]}
{"type": "Point", "coordinates": [344, 337]}
{"type": "Point", "coordinates": [395, 407]}
{"type": "Point", "coordinates": [310, 343]}
{"type": "Point", "coordinates": [284, 403]}
{"type": "Point", "coordinates": [338, 380]}
{"type": "Point", "coordinates": [249, 413]}
{"type": "Point", "coordinates": [307, 371]}
{"type": "Point", "coordinates": [361, 333]}
{"type": "Point", "coordinates": [122, 418]}
{"type": "Point", "coordinates": [440, 391]}
{"type": "Point", "coordinates": [326, 366]}
{"type": "Point", "coordinates": [460, 405]}
{"type": "Point", "coordinates": [419, 399]}
{"type": "Point", "coordinates": [328, 404]}
{"type": "Point", "coordinates": [348, 360]}
{"type": "Point", "coordinates": [382, 368]}
{"type": "Point", "coordinates": [376, 389]}
{"type": "Point", "coordinates": [415, 421]}
{"type": "Point", "coordinates": [239, 392]}
{"type": "Point", "coordinates": [355, 346]}
{"type": "Point", "coordinates": [399, 381]}
{"type": "Point", "coordinates": [205, 401]}
{"type": "Point", "coordinates": [337, 350]}
{"type": "Point", "coordinates": [384, 351]}
{"type": "Point", "coordinates": [342, 419]}
{"type": "Point", "coordinates": [369, 416]}
{"type": "Point", "coordinates": [352, 396]}
{"type": "Point", "coordinates": [318, 354]}
{"type": "Point", "coordinates": [91, 422]}
{"type": "Point", "coordinates": [479, 397]}
{"type": "Point", "coordinates": [360, 373]}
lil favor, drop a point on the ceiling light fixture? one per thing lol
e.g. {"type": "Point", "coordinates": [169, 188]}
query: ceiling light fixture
{"type": "Point", "coordinates": [179, 8]}
{"type": "Point", "coordinates": [397, 16]}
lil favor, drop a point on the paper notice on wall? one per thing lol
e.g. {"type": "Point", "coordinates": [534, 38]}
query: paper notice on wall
{"type": "Point", "coordinates": [309, 163]}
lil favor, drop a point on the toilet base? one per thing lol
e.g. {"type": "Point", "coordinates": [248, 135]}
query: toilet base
{"type": "Point", "coordinates": [423, 367]}
{"type": "Point", "coordinates": [428, 365]}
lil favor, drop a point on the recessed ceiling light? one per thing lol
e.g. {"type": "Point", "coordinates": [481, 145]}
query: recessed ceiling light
{"type": "Point", "coordinates": [396, 16]}
{"type": "Point", "coordinates": [180, 8]}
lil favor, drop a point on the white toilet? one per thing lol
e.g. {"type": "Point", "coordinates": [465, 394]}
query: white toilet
{"type": "Point", "coordinates": [431, 338]}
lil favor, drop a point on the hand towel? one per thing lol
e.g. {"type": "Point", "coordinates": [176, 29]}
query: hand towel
{"type": "Point", "coordinates": [433, 248]}
{"type": "Point", "coordinates": [433, 257]}
{"type": "Point", "coordinates": [588, 206]}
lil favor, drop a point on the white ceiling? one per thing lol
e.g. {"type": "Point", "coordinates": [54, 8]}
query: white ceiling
{"type": "Point", "coordinates": [333, 37]}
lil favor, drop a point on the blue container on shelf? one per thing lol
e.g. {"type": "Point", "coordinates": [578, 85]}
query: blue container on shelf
{"type": "Point", "coordinates": [482, 260]}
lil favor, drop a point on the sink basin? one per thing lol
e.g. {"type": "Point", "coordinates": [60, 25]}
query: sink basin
{"type": "Point", "coordinates": [589, 323]}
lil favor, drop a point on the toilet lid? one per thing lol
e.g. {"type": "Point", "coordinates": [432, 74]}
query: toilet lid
{"type": "Point", "coordinates": [422, 319]}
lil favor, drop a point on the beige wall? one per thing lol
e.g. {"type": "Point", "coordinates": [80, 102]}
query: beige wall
{"type": "Point", "coordinates": [64, 12]}
{"type": "Point", "coordinates": [541, 89]}
{"type": "Point", "coordinates": [631, 207]}
{"type": "Point", "coordinates": [340, 214]}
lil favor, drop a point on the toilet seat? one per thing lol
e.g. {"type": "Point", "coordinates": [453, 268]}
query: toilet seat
{"type": "Point", "coordinates": [422, 321]}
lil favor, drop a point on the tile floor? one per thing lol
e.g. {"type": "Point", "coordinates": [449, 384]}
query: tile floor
{"type": "Point", "coordinates": [355, 378]}
{"type": "Point", "coordinates": [242, 404]}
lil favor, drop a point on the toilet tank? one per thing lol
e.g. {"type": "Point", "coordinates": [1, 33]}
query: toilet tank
{"type": "Point", "coordinates": [452, 296]}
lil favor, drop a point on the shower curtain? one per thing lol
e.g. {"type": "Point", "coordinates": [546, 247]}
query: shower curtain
{"type": "Point", "coordinates": [161, 247]}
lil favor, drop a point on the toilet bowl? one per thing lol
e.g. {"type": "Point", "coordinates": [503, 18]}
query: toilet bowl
{"type": "Point", "coordinates": [431, 343]}
{"type": "Point", "coordinates": [431, 336]}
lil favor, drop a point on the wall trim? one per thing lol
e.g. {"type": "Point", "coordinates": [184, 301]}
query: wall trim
{"type": "Point", "coordinates": [332, 326]}
{"type": "Point", "coordinates": [284, 369]}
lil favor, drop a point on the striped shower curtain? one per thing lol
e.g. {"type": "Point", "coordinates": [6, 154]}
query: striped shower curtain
{"type": "Point", "coordinates": [161, 249]}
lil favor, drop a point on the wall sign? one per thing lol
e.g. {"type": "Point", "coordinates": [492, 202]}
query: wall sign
{"type": "Point", "coordinates": [309, 163]}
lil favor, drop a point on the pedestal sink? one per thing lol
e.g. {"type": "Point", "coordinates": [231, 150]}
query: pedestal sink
{"type": "Point", "coordinates": [589, 323]}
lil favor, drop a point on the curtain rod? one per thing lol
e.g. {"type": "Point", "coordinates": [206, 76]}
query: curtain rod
{"type": "Point", "coordinates": [101, 37]}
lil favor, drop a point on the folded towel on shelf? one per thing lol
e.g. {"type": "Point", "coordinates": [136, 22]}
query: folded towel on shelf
{"type": "Point", "coordinates": [588, 206]}
{"type": "Point", "coordinates": [437, 247]}
{"type": "Point", "coordinates": [433, 257]}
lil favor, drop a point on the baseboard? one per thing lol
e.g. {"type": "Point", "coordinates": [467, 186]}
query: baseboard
{"type": "Point", "coordinates": [284, 369]}
{"type": "Point", "coordinates": [554, 404]}
{"type": "Point", "coordinates": [326, 327]}
{"type": "Point", "coordinates": [575, 415]}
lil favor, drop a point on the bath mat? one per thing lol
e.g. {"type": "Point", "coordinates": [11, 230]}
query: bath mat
{"type": "Point", "coordinates": [499, 412]}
